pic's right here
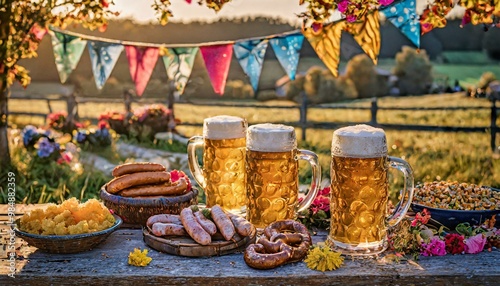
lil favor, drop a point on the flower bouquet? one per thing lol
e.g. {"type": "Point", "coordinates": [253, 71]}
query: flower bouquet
{"type": "Point", "coordinates": [318, 213]}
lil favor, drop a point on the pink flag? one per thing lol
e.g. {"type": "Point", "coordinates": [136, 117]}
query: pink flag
{"type": "Point", "coordinates": [141, 62]}
{"type": "Point", "coordinates": [217, 60]}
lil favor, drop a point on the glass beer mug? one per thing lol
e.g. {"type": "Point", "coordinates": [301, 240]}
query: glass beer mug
{"type": "Point", "coordinates": [272, 174]}
{"type": "Point", "coordinates": [360, 191]}
{"type": "Point", "coordinates": [223, 175]}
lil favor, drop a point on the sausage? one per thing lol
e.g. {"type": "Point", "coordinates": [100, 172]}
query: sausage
{"type": "Point", "coordinates": [193, 228]}
{"type": "Point", "coordinates": [137, 179]}
{"type": "Point", "coordinates": [208, 225]}
{"type": "Point", "coordinates": [167, 229]}
{"type": "Point", "coordinates": [256, 257]}
{"type": "Point", "coordinates": [177, 188]}
{"type": "Point", "coordinates": [130, 168]}
{"type": "Point", "coordinates": [223, 222]}
{"type": "Point", "coordinates": [164, 218]}
{"type": "Point", "coordinates": [243, 227]}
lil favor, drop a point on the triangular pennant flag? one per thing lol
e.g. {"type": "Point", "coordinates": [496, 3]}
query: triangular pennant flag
{"type": "Point", "coordinates": [367, 34]}
{"type": "Point", "coordinates": [103, 57]}
{"type": "Point", "coordinates": [404, 16]}
{"type": "Point", "coordinates": [67, 52]}
{"type": "Point", "coordinates": [250, 55]}
{"type": "Point", "coordinates": [141, 62]}
{"type": "Point", "coordinates": [287, 50]}
{"type": "Point", "coordinates": [179, 64]}
{"type": "Point", "coordinates": [217, 60]}
{"type": "Point", "coordinates": [326, 43]}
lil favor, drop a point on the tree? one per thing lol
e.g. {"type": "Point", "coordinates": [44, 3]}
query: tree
{"type": "Point", "coordinates": [21, 22]}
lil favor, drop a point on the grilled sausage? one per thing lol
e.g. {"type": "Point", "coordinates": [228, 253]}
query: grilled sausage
{"type": "Point", "coordinates": [137, 179]}
{"type": "Point", "coordinates": [193, 228]}
{"type": "Point", "coordinates": [164, 218]}
{"type": "Point", "coordinates": [130, 168]}
{"type": "Point", "coordinates": [223, 222]}
{"type": "Point", "coordinates": [177, 188]}
{"type": "Point", "coordinates": [243, 227]}
{"type": "Point", "coordinates": [168, 229]}
{"type": "Point", "coordinates": [208, 225]}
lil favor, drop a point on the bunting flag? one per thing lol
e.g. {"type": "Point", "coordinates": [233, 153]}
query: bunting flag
{"type": "Point", "coordinates": [141, 62]}
{"type": "Point", "coordinates": [179, 64]}
{"type": "Point", "coordinates": [250, 55]}
{"type": "Point", "coordinates": [103, 57]}
{"type": "Point", "coordinates": [326, 43]}
{"type": "Point", "coordinates": [404, 16]}
{"type": "Point", "coordinates": [287, 50]}
{"type": "Point", "coordinates": [367, 34]}
{"type": "Point", "coordinates": [217, 61]}
{"type": "Point", "coordinates": [67, 52]}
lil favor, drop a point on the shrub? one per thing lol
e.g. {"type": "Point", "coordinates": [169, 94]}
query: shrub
{"type": "Point", "coordinates": [237, 89]}
{"type": "Point", "coordinates": [361, 70]}
{"type": "Point", "coordinates": [414, 71]}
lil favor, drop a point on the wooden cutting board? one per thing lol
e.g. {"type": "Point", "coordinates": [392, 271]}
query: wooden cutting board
{"type": "Point", "coordinates": [185, 246]}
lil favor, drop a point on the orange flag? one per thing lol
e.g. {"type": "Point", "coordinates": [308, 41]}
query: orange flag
{"type": "Point", "coordinates": [367, 34]}
{"type": "Point", "coordinates": [326, 43]}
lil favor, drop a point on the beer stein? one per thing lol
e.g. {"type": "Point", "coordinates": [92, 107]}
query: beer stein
{"type": "Point", "coordinates": [360, 191]}
{"type": "Point", "coordinates": [223, 175]}
{"type": "Point", "coordinates": [272, 174]}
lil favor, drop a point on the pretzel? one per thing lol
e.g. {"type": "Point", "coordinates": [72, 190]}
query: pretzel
{"type": "Point", "coordinates": [278, 236]}
{"type": "Point", "coordinates": [256, 257]}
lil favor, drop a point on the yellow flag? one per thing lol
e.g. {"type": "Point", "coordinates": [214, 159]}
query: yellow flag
{"type": "Point", "coordinates": [326, 43]}
{"type": "Point", "coordinates": [367, 34]}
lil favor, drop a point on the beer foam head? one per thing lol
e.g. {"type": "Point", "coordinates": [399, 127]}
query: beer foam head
{"type": "Point", "coordinates": [271, 138]}
{"type": "Point", "coordinates": [224, 127]}
{"type": "Point", "coordinates": [359, 141]}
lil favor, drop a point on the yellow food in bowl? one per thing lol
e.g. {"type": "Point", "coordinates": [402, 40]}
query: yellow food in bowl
{"type": "Point", "coordinates": [70, 217]}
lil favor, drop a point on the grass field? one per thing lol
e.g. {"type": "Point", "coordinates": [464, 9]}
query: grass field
{"type": "Point", "coordinates": [464, 157]}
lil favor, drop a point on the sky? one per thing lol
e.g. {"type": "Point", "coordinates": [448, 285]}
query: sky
{"type": "Point", "coordinates": [141, 10]}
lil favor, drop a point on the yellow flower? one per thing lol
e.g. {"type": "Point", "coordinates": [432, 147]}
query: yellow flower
{"type": "Point", "coordinates": [139, 258]}
{"type": "Point", "coordinates": [322, 258]}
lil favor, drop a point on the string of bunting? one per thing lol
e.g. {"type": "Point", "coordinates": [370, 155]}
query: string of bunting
{"type": "Point", "coordinates": [178, 59]}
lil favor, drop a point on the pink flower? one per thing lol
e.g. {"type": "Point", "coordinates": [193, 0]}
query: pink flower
{"type": "Point", "coordinates": [342, 6]}
{"type": "Point", "coordinates": [320, 203]}
{"type": "Point", "coordinates": [475, 244]}
{"type": "Point", "coordinates": [385, 2]}
{"type": "Point", "coordinates": [66, 157]}
{"type": "Point", "coordinates": [316, 26]}
{"type": "Point", "coordinates": [351, 18]}
{"type": "Point", "coordinates": [324, 192]}
{"type": "Point", "coordinates": [175, 175]}
{"type": "Point", "coordinates": [422, 218]}
{"type": "Point", "coordinates": [102, 124]}
{"type": "Point", "coordinates": [436, 247]}
{"type": "Point", "coordinates": [454, 243]}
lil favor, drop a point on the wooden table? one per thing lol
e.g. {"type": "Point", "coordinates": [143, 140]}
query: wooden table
{"type": "Point", "coordinates": [107, 265]}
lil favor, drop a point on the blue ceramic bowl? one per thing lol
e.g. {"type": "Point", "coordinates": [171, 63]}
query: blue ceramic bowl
{"type": "Point", "coordinates": [451, 218]}
{"type": "Point", "coordinates": [67, 243]}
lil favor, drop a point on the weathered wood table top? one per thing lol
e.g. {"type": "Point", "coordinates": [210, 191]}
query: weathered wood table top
{"type": "Point", "coordinates": [108, 265]}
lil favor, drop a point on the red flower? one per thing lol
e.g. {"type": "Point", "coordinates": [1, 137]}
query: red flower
{"type": "Point", "coordinates": [324, 192]}
{"type": "Point", "coordinates": [102, 124]}
{"type": "Point", "coordinates": [320, 203]}
{"type": "Point", "coordinates": [454, 243]}
{"type": "Point", "coordinates": [104, 3]}
{"type": "Point", "coordinates": [422, 218]}
{"type": "Point", "coordinates": [175, 175]}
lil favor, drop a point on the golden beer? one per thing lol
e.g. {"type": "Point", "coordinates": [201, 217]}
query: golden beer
{"type": "Point", "coordinates": [272, 174]}
{"type": "Point", "coordinates": [223, 174]}
{"type": "Point", "coordinates": [272, 186]}
{"type": "Point", "coordinates": [360, 191]}
{"type": "Point", "coordinates": [224, 168]}
{"type": "Point", "coordinates": [359, 199]}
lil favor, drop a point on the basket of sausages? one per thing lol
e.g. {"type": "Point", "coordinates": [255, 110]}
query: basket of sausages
{"type": "Point", "coordinates": [140, 190]}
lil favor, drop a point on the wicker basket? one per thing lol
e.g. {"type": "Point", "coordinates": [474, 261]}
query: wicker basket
{"type": "Point", "coordinates": [136, 211]}
{"type": "Point", "coordinates": [67, 243]}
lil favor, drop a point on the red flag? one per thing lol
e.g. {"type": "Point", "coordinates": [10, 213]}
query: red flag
{"type": "Point", "coordinates": [217, 60]}
{"type": "Point", "coordinates": [141, 62]}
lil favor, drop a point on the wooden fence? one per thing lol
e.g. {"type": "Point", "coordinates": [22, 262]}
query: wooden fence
{"type": "Point", "coordinates": [303, 123]}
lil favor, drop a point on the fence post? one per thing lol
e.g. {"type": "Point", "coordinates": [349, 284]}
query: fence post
{"type": "Point", "coordinates": [493, 125]}
{"type": "Point", "coordinates": [373, 111]}
{"type": "Point", "coordinates": [303, 115]}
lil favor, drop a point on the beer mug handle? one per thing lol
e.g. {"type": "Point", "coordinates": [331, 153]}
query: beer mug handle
{"type": "Point", "coordinates": [194, 143]}
{"type": "Point", "coordinates": [312, 158]}
{"type": "Point", "coordinates": [406, 194]}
